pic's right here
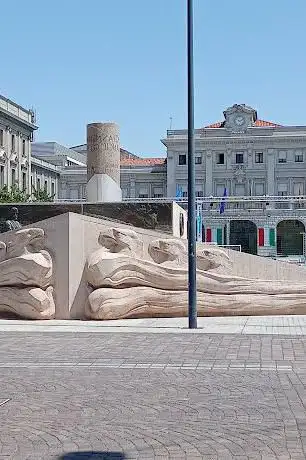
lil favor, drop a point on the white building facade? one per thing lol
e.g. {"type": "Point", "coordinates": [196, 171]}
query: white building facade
{"type": "Point", "coordinates": [245, 155]}
{"type": "Point", "coordinates": [17, 125]}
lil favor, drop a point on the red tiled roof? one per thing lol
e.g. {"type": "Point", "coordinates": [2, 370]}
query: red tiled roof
{"type": "Point", "coordinates": [266, 123]}
{"type": "Point", "coordinates": [258, 123]}
{"type": "Point", "coordinates": [142, 161]}
{"type": "Point", "coordinates": [219, 124]}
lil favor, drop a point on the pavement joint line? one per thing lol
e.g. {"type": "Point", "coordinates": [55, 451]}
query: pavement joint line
{"type": "Point", "coordinates": [161, 366]}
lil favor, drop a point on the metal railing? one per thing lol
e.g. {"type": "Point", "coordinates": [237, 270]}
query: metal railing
{"type": "Point", "coordinates": [209, 199]}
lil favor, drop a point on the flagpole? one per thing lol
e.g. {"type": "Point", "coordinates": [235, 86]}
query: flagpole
{"type": "Point", "coordinates": [192, 222]}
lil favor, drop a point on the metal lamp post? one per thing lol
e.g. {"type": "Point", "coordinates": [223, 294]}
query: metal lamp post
{"type": "Point", "coordinates": [192, 265]}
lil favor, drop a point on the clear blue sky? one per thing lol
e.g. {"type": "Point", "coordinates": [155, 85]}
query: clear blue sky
{"type": "Point", "coordinates": [78, 61]}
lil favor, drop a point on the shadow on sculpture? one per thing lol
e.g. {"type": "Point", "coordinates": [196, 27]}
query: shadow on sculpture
{"type": "Point", "coordinates": [12, 223]}
{"type": "Point", "coordinates": [129, 282]}
{"type": "Point", "coordinates": [26, 276]}
{"type": "Point", "coordinates": [97, 455]}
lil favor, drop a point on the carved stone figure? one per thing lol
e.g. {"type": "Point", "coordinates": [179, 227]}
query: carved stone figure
{"type": "Point", "coordinates": [26, 276]}
{"type": "Point", "coordinates": [125, 284]}
{"type": "Point", "coordinates": [12, 223]}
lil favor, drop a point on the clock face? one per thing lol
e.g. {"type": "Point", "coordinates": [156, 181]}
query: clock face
{"type": "Point", "coordinates": [239, 120]}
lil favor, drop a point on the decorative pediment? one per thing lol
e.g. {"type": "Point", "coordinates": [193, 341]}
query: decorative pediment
{"type": "Point", "coordinates": [239, 118]}
{"type": "Point", "coordinates": [240, 174]}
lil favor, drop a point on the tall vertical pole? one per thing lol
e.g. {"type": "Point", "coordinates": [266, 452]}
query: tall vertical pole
{"type": "Point", "coordinates": [192, 268]}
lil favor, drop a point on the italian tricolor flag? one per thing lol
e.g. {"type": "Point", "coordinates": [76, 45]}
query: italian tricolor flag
{"type": "Point", "coordinates": [266, 236]}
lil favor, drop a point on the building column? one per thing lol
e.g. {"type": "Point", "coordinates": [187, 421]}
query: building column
{"type": "Point", "coordinates": [228, 230]}
{"type": "Point", "coordinates": [29, 166]}
{"type": "Point", "coordinates": [250, 157]}
{"type": "Point", "coordinates": [208, 174]}
{"type": "Point", "coordinates": [228, 159]}
{"type": "Point", "coordinates": [271, 173]}
{"type": "Point", "coordinates": [132, 189]}
{"type": "Point", "coordinates": [8, 152]}
{"type": "Point", "coordinates": [171, 176]}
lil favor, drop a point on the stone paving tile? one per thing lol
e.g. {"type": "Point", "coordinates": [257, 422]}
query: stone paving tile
{"type": "Point", "coordinates": [153, 396]}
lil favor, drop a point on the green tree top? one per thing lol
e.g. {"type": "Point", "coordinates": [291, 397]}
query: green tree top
{"type": "Point", "coordinates": [15, 195]}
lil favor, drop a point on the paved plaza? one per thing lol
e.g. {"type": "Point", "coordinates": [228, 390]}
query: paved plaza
{"type": "Point", "coordinates": [153, 390]}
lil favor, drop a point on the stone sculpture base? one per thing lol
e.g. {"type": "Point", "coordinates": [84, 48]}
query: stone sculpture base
{"type": "Point", "coordinates": [103, 189]}
{"type": "Point", "coordinates": [26, 275]}
{"type": "Point", "coordinates": [143, 302]}
{"type": "Point", "coordinates": [127, 285]}
{"type": "Point", "coordinates": [78, 267]}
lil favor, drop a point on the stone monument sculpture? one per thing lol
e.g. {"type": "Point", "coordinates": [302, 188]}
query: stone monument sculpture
{"type": "Point", "coordinates": [103, 163]}
{"type": "Point", "coordinates": [12, 223]}
{"type": "Point", "coordinates": [125, 284]}
{"type": "Point", "coordinates": [26, 275]}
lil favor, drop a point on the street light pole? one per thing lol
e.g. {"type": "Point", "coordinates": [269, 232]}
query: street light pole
{"type": "Point", "coordinates": [192, 264]}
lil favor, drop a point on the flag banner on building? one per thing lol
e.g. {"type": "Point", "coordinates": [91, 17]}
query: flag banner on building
{"type": "Point", "coordinates": [208, 235]}
{"type": "Point", "coordinates": [199, 223]}
{"type": "Point", "coordinates": [266, 236]}
{"type": "Point", "coordinates": [179, 192]}
{"type": "Point", "coordinates": [222, 203]}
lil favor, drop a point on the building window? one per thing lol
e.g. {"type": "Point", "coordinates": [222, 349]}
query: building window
{"type": "Point", "coordinates": [239, 190]}
{"type": "Point", "coordinates": [53, 189]}
{"type": "Point", "coordinates": [1, 137]}
{"type": "Point", "coordinates": [299, 158]}
{"type": "Point", "coordinates": [239, 158]}
{"type": "Point", "coordinates": [182, 160]}
{"type": "Point", "coordinates": [38, 183]}
{"type": "Point", "coordinates": [259, 189]}
{"type": "Point", "coordinates": [282, 190]}
{"type": "Point", "coordinates": [46, 185]}
{"type": "Point", "coordinates": [143, 192]}
{"type": "Point", "coordinates": [158, 192]}
{"type": "Point", "coordinates": [31, 183]}
{"type": "Point", "coordinates": [198, 160]}
{"type": "Point", "coordinates": [23, 147]}
{"type": "Point", "coordinates": [199, 193]}
{"type": "Point", "coordinates": [220, 159]}
{"type": "Point", "coordinates": [258, 157]}
{"type": "Point", "coordinates": [1, 176]}
{"type": "Point", "coordinates": [13, 143]}
{"type": "Point", "coordinates": [282, 156]}
{"type": "Point", "coordinates": [298, 188]}
{"type": "Point", "coordinates": [13, 177]}
{"type": "Point", "coordinates": [24, 181]}
{"type": "Point", "coordinates": [184, 194]}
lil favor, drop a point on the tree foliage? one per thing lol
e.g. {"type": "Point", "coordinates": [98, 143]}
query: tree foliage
{"type": "Point", "coordinates": [41, 194]}
{"type": "Point", "coordinates": [14, 194]}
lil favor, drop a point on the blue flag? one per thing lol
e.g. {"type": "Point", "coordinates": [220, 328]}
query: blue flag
{"type": "Point", "coordinates": [179, 191]}
{"type": "Point", "coordinates": [222, 203]}
{"type": "Point", "coordinates": [199, 225]}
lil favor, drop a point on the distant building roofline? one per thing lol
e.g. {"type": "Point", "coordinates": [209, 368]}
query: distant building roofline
{"type": "Point", "coordinates": [6, 99]}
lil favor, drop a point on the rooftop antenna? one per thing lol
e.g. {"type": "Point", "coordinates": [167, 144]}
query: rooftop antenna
{"type": "Point", "coordinates": [171, 119]}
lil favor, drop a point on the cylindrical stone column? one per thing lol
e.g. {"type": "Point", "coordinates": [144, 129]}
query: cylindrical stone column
{"type": "Point", "coordinates": [103, 150]}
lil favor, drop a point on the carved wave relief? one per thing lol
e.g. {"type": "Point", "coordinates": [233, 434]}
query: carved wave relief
{"type": "Point", "coordinates": [26, 276]}
{"type": "Point", "coordinates": [144, 302]}
{"type": "Point", "coordinates": [126, 285]}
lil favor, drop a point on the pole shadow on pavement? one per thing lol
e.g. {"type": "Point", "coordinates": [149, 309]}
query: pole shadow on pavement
{"type": "Point", "coordinates": [95, 455]}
